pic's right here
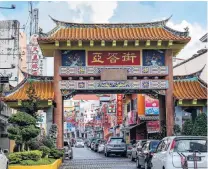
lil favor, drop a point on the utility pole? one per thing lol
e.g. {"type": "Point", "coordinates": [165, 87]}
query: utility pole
{"type": "Point", "coordinates": [35, 17]}
{"type": "Point", "coordinates": [31, 17]}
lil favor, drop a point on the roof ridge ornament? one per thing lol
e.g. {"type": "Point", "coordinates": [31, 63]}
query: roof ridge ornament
{"type": "Point", "coordinates": [161, 23]}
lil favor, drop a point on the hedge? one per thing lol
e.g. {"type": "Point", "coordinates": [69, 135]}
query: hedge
{"type": "Point", "coordinates": [17, 157]}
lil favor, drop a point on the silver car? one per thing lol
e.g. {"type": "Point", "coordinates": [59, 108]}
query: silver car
{"type": "Point", "coordinates": [68, 152]}
{"type": "Point", "coordinates": [116, 145]}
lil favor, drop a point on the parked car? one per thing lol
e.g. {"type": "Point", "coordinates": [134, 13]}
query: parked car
{"type": "Point", "coordinates": [135, 149]}
{"type": "Point", "coordinates": [68, 150]}
{"type": "Point", "coordinates": [144, 154]}
{"type": "Point", "coordinates": [173, 151]}
{"type": "Point", "coordinates": [101, 146]}
{"type": "Point", "coordinates": [129, 149]}
{"type": "Point", "coordinates": [92, 145]}
{"type": "Point", "coordinates": [79, 143]}
{"type": "Point", "coordinates": [90, 141]}
{"type": "Point", "coordinates": [4, 162]}
{"type": "Point", "coordinates": [95, 146]}
{"type": "Point", "coordinates": [116, 145]}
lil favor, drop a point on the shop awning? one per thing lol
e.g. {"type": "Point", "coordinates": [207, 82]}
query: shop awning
{"type": "Point", "coordinates": [147, 118]}
{"type": "Point", "coordinates": [131, 127]}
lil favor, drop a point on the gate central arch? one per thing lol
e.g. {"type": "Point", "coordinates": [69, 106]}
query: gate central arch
{"type": "Point", "coordinates": [112, 58]}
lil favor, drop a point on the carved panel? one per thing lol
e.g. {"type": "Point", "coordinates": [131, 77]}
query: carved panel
{"type": "Point", "coordinates": [96, 71]}
{"type": "Point", "coordinates": [106, 85]}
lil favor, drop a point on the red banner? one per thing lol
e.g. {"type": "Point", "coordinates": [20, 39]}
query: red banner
{"type": "Point", "coordinates": [153, 126]}
{"type": "Point", "coordinates": [119, 108]}
{"type": "Point", "coordinates": [113, 58]}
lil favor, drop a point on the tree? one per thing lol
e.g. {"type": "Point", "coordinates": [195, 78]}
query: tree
{"type": "Point", "coordinates": [31, 106]}
{"type": "Point", "coordinates": [200, 125]}
{"type": "Point", "coordinates": [187, 128]}
{"type": "Point", "coordinates": [23, 128]}
{"type": "Point", "coordinates": [176, 129]}
{"type": "Point", "coordinates": [53, 131]}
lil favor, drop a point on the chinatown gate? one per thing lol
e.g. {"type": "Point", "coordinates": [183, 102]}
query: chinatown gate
{"type": "Point", "coordinates": [113, 58]}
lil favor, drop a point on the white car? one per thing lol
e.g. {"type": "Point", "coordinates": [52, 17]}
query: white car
{"type": "Point", "coordinates": [101, 147]}
{"type": "Point", "coordinates": [175, 151]}
{"type": "Point", "coordinates": [4, 162]}
{"type": "Point", "coordinates": [79, 143]}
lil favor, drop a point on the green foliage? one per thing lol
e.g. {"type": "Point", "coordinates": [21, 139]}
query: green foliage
{"type": "Point", "coordinates": [55, 153]}
{"type": "Point", "coordinates": [176, 129]}
{"type": "Point", "coordinates": [187, 128]}
{"type": "Point", "coordinates": [35, 143]}
{"type": "Point", "coordinates": [45, 151]}
{"type": "Point", "coordinates": [53, 133]}
{"type": "Point", "coordinates": [32, 105]}
{"type": "Point", "coordinates": [29, 132]}
{"type": "Point", "coordinates": [23, 128]}
{"type": "Point", "coordinates": [43, 161]}
{"type": "Point", "coordinates": [200, 125]}
{"type": "Point", "coordinates": [22, 119]}
{"type": "Point", "coordinates": [48, 142]}
{"type": "Point", "coordinates": [15, 158]}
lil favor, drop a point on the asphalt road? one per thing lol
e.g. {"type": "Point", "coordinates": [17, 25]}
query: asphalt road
{"type": "Point", "coordinates": [85, 158]}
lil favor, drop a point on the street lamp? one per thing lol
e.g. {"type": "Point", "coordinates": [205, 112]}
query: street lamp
{"type": "Point", "coordinates": [12, 7]}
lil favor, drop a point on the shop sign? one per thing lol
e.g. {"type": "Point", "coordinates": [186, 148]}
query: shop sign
{"type": "Point", "coordinates": [119, 108]}
{"type": "Point", "coordinates": [112, 58]}
{"type": "Point", "coordinates": [36, 65]}
{"type": "Point", "coordinates": [153, 126]}
{"type": "Point", "coordinates": [151, 106]}
{"type": "Point", "coordinates": [111, 109]}
{"type": "Point", "coordinates": [132, 117]}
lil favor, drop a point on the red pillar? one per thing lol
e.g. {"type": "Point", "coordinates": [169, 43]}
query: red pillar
{"type": "Point", "coordinates": [169, 93]}
{"type": "Point", "coordinates": [58, 111]}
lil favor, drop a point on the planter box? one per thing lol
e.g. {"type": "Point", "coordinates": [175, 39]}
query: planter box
{"type": "Point", "coordinates": [55, 165]}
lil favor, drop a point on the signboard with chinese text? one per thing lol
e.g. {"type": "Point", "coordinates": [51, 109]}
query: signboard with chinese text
{"type": "Point", "coordinates": [153, 126]}
{"type": "Point", "coordinates": [73, 58]}
{"type": "Point", "coordinates": [37, 60]}
{"type": "Point", "coordinates": [131, 117]}
{"type": "Point", "coordinates": [111, 109]}
{"type": "Point", "coordinates": [119, 108]}
{"type": "Point", "coordinates": [112, 58]}
{"type": "Point", "coordinates": [153, 57]}
{"type": "Point", "coordinates": [151, 106]}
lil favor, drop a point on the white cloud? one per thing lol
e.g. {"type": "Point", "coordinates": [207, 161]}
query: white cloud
{"type": "Point", "coordinates": [195, 32]}
{"type": "Point", "coordinates": [101, 11]}
{"type": "Point", "coordinates": [75, 11]}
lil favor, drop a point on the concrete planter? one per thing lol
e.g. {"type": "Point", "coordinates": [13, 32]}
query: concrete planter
{"type": "Point", "coordinates": [55, 165]}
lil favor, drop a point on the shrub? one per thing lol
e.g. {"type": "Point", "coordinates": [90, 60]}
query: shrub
{"type": "Point", "coordinates": [48, 142]}
{"type": "Point", "coordinates": [187, 128]}
{"type": "Point", "coordinates": [55, 153]}
{"type": "Point", "coordinates": [45, 151]}
{"type": "Point", "coordinates": [15, 158]}
{"type": "Point", "coordinates": [200, 125]}
{"type": "Point", "coordinates": [35, 144]}
{"type": "Point", "coordinates": [176, 129]}
{"type": "Point", "coordinates": [42, 161]}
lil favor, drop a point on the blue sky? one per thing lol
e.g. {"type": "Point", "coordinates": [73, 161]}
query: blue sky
{"type": "Point", "coordinates": [137, 11]}
{"type": "Point", "coordinates": [191, 14]}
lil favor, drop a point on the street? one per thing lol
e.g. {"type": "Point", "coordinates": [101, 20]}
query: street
{"type": "Point", "coordinates": [84, 158]}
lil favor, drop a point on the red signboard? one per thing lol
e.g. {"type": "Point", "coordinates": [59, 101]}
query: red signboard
{"type": "Point", "coordinates": [119, 108]}
{"type": "Point", "coordinates": [113, 58]}
{"type": "Point", "coordinates": [153, 126]}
